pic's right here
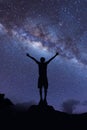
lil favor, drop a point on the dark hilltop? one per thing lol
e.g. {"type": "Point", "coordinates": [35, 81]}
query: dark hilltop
{"type": "Point", "coordinates": [41, 116]}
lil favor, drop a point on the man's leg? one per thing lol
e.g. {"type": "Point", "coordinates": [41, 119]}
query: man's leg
{"type": "Point", "coordinates": [40, 93]}
{"type": "Point", "coordinates": [40, 87]}
{"type": "Point", "coordinates": [45, 88]}
{"type": "Point", "coordinates": [45, 94]}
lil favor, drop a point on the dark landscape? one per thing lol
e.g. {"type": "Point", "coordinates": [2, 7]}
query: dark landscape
{"type": "Point", "coordinates": [41, 116]}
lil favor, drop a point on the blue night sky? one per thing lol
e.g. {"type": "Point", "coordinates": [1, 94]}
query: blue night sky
{"type": "Point", "coordinates": [42, 28]}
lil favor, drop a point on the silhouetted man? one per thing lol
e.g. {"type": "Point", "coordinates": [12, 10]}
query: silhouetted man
{"type": "Point", "coordinates": [42, 80]}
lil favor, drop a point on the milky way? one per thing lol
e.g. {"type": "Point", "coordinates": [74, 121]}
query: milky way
{"type": "Point", "coordinates": [60, 25]}
{"type": "Point", "coordinates": [47, 26]}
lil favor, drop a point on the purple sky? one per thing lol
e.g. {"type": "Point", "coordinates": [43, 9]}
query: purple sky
{"type": "Point", "coordinates": [42, 28]}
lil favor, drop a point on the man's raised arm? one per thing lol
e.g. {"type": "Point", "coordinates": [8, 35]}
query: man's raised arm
{"type": "Point", "coordinates": [52, 57]}
{"type": "Point", "coordinates": [32, 58]}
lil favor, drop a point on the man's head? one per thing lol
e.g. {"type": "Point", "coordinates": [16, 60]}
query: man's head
{"type": "Point", "coordinates": [42, 59]}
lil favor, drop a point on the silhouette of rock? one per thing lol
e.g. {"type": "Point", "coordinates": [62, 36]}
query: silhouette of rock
{"type": "Point", "coordinates": [4, 102]}
{"type": "Point", "coordinates": [24, 106]}
{"type": "Point", "coordinates": [46, 117]}
{"type": "Point", "coordinates": [41, 107]}
{"type": "Point", "coordinates": [41, 116]}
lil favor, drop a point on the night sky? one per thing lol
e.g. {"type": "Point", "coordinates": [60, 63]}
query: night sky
{"type": "Point", "coordinates": [42, 28]}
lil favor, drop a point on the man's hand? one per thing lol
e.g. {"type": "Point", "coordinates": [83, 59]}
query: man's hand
{"type": "Point", "coordinates": [57, 53]}
{"type": "Point", "coordinates": [27, 54]}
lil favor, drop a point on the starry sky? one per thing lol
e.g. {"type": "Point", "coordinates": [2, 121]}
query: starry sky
{"type": "Point", "coordinates": [42, 28]}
